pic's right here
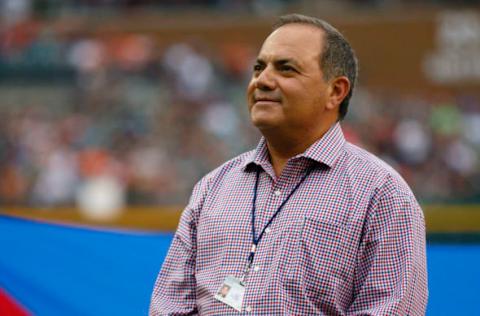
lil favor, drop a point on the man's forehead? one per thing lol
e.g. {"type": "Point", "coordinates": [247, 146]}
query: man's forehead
{"type": "Point", "coordinates": [293, 41]}
{"type": "Point", "coordinates": [302, 28]}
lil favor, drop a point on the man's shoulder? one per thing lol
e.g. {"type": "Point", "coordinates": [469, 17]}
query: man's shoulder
{"type": "Point", "coordinates": [229, 167]}
{"type": "Point", "coordinates": [363, 164]}
{"type": "Point", "coordinates": [367, 160]}
{"type": "Point", "coordinates": [212, 181]}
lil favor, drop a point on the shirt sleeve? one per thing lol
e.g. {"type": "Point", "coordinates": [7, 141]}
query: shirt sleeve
{"type": "Point", "coordinates": [391, 276]}
{"type": "Point", "coordinates": [174, 290]}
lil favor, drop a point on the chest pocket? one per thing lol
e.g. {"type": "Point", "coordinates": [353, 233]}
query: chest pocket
{"type": "Point", "coordinates": [321, 262]}
{"type": "Point", "coordinates": [323, 249]}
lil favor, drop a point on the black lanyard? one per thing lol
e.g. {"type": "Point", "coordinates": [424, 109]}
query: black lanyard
{"type": "Point", "coordinates": [256, 241]}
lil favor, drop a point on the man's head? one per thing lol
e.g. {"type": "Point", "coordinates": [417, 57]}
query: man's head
{"type": "Point", "coordinates": [303, 77]}
{"type": "Point", "coordinates": [337, 57]}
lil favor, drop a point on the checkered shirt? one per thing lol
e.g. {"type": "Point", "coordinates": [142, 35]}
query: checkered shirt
{"type": "Point", "coordinates": [349, 241]}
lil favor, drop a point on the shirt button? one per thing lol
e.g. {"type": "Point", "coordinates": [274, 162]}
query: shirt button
{"type": "Point", "coordinates": [267, 230]}
{"type": "Point", "coordinates": [248, 309]}
{"type": "Point", "coordinates": [256, 268]}
{"type": "Point", "coordinates": [277, 192]}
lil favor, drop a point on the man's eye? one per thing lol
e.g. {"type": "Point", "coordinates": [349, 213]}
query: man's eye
{"type": "Point", "coordinates": [286, 68]}
{"type": "Point", "coordinates": [257, 67]}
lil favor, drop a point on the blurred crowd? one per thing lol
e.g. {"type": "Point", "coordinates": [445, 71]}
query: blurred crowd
{"type": "Point", "coordinates": [15, 9]}
{"type": "Point", "coordinates": [138, 123]}
{"type": "Point", "coordinates": [135, 118]}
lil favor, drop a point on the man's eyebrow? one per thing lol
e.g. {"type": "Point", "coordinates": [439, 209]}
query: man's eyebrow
{"type": "Point", "coordinates": [284, 61]}
{"type": "Point", "coordinates": [279, 62]}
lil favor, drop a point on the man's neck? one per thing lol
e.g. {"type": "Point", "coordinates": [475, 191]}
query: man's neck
{"type": "Point", "coordinates": [281, 147]}
{"type": "Point", "coordinates": [278, 161]}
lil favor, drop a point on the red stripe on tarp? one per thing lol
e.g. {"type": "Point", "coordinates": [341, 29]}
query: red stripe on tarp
{"type": "Point", "coordinates": [8, 306]}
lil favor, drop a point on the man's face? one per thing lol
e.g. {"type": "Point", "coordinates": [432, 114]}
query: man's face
{"type": "Point", "coordinates": [287, 89]}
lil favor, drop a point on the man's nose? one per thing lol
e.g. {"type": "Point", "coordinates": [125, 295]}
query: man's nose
{"type": "Point", "coordinates": [266, 79]}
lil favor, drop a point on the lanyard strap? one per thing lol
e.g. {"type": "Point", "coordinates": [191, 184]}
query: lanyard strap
{"type": "Point", "coordinates": [256, 241]}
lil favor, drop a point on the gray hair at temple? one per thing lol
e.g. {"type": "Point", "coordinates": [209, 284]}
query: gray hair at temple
{"type": "Point", "coordinates": [336, 59]}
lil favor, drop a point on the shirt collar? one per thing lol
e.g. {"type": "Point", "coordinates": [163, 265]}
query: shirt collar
{"type": "Point", "coordinates": [326, 150]}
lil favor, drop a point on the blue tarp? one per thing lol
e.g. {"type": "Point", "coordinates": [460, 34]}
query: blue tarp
{"type": "Point", "coordinates": [453, 279]}
{"type": "Point", "coordinates": [63, 270]}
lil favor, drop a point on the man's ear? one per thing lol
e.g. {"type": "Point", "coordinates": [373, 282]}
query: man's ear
{"type": "Point", "coordinates": [339, 88]}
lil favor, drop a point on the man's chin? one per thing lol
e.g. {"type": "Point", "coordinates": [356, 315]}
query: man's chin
{"type": "Point", "coordinates": [263, 123]}
{"type": "Point", "coordinates": [265, 117]}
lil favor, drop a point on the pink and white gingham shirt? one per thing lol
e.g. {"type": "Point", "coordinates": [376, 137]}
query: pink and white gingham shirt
{"type": "Point", "coordinates": [349, 241]}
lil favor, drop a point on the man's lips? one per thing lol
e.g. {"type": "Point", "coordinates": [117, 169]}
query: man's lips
{"type": "Point", "coordinates": [265, 101]}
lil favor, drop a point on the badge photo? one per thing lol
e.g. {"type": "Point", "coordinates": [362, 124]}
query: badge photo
{"type": "Point", "coordinates": [231, 293]}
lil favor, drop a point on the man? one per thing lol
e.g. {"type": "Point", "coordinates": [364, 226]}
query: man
{"type": "Point", "coordinates": [306, 224]}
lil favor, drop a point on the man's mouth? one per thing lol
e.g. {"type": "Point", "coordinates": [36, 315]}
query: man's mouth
{"type": "Point", "coordinates": [263, 100]}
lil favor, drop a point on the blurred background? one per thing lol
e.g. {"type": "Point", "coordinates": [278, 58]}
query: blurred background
{"type": "Point", "coordinates": [139, 99]}
{"type": "Point", "coordinates": [111, 110]}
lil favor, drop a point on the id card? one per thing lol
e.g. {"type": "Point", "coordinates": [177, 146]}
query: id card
{"type": "Point", "coordinates": [231, 293]}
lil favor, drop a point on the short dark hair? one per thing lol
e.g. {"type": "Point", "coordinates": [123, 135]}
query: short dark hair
{"type": "Point", "coordinates": [337, 57]}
